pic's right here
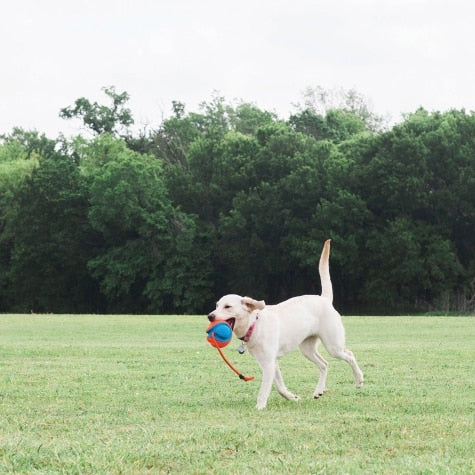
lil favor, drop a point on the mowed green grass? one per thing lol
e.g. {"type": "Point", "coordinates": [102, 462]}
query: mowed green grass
{"type": "Point", "coordinates": [145, 394]}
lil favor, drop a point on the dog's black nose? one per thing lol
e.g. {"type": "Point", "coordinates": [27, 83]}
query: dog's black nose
{"type": "Point", "coordinates": [211, 317]}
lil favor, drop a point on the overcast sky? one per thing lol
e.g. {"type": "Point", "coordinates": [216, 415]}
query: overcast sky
{"type": "Point", "coordinates": [400, 54]}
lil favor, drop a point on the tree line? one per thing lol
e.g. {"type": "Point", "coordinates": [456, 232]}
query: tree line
{"type": "Point", "coordinates": [234, 199]}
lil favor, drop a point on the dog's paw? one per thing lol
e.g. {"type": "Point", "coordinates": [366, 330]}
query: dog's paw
{"type": "Point", "coordinates": [290, 396]}
{"type": "Point", "coordinates": [261, 403]}
{"type": "Point", "coordinates": [359, 381]}
{"type": "Point", "coordinates": [294, 397]}
{"type": "Point", "coordinates": [319, 390]}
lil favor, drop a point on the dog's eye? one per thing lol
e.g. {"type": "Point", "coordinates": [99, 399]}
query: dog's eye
{"type": "Point", "coordinates": [227, 306]}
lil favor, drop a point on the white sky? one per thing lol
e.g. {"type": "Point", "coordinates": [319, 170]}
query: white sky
{"type": "Point", "coordinates": [400, 54]}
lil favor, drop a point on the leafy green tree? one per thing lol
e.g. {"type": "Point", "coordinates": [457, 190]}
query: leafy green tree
{"type": "Point", "coordinates": [410, 265]}
{"type": "Point", "coordinates": [16, 165]}
{"type": "Point", "coordinates": [101, 118]}
{"type": "Point", "coordinates": [337, 125]}
{"type": "Point", "coordinates": [419, 174]}
{"type": "Point", "coordinates": [32, 142]}
{"type": "Point", "coordinates": [247, 118]}
{"type": "Point", "coordinates": [149, 259]}
{"type": "Point", "coordinates": [279, 184]}
{"type": "Point", "coordinates": [310, 123]}
{"type": "Point", "coordinates": [176, 134]}
{"type": "Point", "coordinates": [320, 100]}
{"type": "Point", "coordinates": [48, 269]}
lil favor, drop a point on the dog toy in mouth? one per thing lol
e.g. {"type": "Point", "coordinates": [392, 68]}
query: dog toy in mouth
{"type": "Point", "coordinates": [219, 335]}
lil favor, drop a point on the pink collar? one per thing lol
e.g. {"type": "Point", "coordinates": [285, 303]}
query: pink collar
{"type": "Point", "coordinates": [248, 335]}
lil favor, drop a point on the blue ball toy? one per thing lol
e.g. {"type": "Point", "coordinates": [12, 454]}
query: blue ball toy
{"type": "Point", "coordinates": [219, 333]}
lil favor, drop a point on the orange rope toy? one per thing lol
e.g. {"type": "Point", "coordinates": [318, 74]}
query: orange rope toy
{"type": "Point", "coordinates": [223, 341]}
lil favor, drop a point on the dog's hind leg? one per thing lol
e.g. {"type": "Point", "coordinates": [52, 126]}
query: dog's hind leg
{"type": "Point", "coordinates": [280, 385]}
{"type": "Point", "coordinates": [309, 349]}
{"type": "Point", "coordinates": [346, 355]}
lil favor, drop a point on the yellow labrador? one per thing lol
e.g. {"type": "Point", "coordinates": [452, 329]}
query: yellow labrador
{"type": "Point", "coordinates": [271, 331]}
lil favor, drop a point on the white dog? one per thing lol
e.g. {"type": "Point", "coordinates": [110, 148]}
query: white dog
{"type": "Point", "coordinates": [271, 331]}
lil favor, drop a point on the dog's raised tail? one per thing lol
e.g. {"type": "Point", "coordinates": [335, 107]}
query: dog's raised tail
{"type": "Point", "coordinates": [324, 270]}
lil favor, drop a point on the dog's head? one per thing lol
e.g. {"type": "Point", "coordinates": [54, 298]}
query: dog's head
{"type": "Point", "coordinates": [235, 310]}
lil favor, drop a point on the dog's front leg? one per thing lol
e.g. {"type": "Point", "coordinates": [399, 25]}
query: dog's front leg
{"type": "Point", "coordinates": [268, 371]}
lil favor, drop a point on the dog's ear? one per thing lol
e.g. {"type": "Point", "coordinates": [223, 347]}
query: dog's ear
{"type": "Point", "coordinates": [252, 304]}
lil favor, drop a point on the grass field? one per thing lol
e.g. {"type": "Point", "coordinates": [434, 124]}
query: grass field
{"type": "Point", "coordinates": [144, 394]}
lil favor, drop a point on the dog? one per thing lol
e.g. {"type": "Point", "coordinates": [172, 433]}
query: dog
{"type": "Point", "coordinates": [272, 331]}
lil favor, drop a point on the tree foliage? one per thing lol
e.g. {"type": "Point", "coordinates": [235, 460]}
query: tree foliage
{"type": "Point", "coordinates": [47, 264]}
{"type": "Point", "coordinates": [101, 118]}
{"type": "Point", "coordinates": [233, 199]}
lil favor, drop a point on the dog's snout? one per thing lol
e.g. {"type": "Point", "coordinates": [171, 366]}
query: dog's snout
{"type": "Point", "coordinates": [211, 317]}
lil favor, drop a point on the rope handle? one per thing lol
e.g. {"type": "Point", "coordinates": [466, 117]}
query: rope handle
{"type": "Point", "coordinates": [241, 376]}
